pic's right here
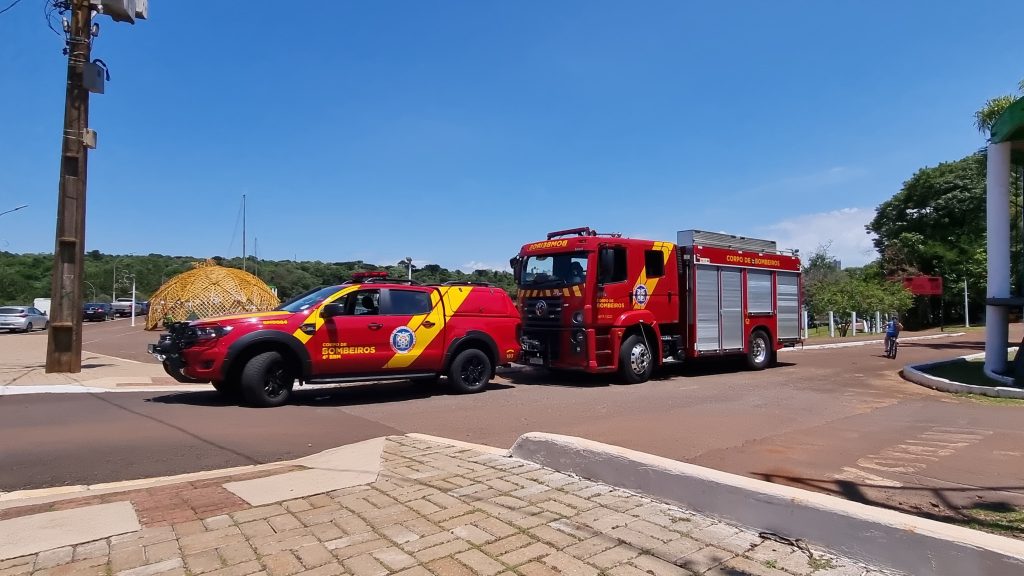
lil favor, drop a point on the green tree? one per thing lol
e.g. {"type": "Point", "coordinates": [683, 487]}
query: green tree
{"type": "Point", "coordinates": [986, 116]}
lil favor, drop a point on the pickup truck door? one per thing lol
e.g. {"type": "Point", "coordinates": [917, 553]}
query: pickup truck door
{"type": "Point", "coordinates": [416, 338]}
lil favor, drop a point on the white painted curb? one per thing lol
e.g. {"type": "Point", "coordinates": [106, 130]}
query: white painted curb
{"type": "Point", "coordinates": [874, 535]}
{"type": "Point", "coordinates": [916, 374]}
{"type": "Point", "coordinates": [870, 342]}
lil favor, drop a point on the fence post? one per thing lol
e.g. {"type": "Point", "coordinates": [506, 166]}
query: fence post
{"type": "Point", "coordinates": [878, 322]}
{"type": "Point", "coordinates": [831, 324]}
{"type": "Point", "coordinates": [805, 323]}
{"type": "Point", "coordinates": [853, 326]}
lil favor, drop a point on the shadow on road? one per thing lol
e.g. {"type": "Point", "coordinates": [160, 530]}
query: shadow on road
{"type": "Point", "coordinates": [347, 395]}
{"type": "Point", "coordinates": [570, 379]}
{"type": "Point", "coordinates": [999, 516]}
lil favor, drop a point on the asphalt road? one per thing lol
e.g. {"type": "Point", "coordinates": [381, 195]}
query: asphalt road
{"type": "Point", "coordinates": [839, 421]}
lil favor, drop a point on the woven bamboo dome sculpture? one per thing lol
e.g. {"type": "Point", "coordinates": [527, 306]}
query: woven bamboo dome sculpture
{"type": "Point", "coordinates": [209, 290]}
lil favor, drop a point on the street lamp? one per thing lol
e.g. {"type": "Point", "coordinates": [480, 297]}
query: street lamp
{"type": "Point", "coordinates": [93, 289]}
{"type": "Point", "coordinates": [113, 289]}
{"type": "Point", "coordinates": [408, 261]}
{"type": "Point", "coordinates": [125, 276]}
{"type": "Point", "coordinates": [13, 209]}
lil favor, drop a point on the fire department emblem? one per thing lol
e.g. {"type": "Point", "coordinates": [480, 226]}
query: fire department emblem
{"type": "Point", "coordinates": [402, 339]}
{"type": "Point", "coordinates": [541, 308]}
{"type": "Point", "coordinates": [640, 294]}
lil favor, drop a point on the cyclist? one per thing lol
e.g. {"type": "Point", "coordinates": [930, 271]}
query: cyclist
{"type": "Point", "coordinates": [892, 331]}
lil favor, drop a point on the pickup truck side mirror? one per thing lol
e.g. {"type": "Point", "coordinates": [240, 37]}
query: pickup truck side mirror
{"type": "Point", "coordinates": [331, 310]}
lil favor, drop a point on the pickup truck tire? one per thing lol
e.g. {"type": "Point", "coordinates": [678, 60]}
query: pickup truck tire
{"type": "Point", "coordinates": [226, 388]}
{"type": "Point", "coordinates": [179, 375]}
{"type": "Point", "coordinates": [470, 371]}
{"type": "Point", "coordinates": [635, 361]}
{"type": "Point", "coordinates": [267, 380]}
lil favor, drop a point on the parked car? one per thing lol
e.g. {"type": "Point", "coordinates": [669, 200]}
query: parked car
{"type": "Point", "coordinates": [123, 307]}
{"type": "Point", "coordinates": [97, 311]}
{"type": "Point", "coordinates": [22, 319]}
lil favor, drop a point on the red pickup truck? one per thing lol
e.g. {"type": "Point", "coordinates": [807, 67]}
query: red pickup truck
{"type": "Point", "coordinates": [371, 328]}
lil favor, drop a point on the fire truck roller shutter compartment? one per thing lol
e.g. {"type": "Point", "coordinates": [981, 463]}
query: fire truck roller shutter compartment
{"type": "Point", "coordinates": [707, 308]}
{"type": "Point", "coordinates": [789, 305]}
{"type": "Point", "coordinates": [732, 312]}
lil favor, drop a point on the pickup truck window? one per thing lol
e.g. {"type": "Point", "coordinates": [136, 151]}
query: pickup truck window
{"type": "Point", "coordinates": [408, 303]}
{"type": "Point", "coordinates": [362, 303]}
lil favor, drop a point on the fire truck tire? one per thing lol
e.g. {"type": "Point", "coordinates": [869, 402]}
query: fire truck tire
{"type": "Point", "coordinates": [470, 371]}
{"type": "Point", "coordinates": [635, 361]}
{"type": "Point", "coordinates": [759, 353]}
{"type": "Point", "coordinates": [267, 380]}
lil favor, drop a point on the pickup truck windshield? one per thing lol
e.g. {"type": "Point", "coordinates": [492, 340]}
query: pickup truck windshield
{"type": "Point", "coordinates": [561, 269]}
{"type": "Point", "coordinates": [308, 299]}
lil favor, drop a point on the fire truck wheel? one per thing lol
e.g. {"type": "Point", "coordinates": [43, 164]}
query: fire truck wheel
{"type": "Point", "coordinates": [267, 380]}
{"type": "Point", "coordinates": [759, 354]}
{"type": "Point", "coordinates": [635, 362]}
{"type": "Point", "coordinates": [470, 371]}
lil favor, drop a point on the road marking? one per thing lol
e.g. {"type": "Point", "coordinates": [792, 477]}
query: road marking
{"type": "Point", "coordinates": [115, 358]}
{"type": "Point", "coordinates": [914, 455]}
{"type": "Point", "coordinates": [861, 477]}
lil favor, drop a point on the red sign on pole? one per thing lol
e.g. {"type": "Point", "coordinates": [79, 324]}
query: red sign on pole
{"type": "Point", "coordinates": [923, 285]}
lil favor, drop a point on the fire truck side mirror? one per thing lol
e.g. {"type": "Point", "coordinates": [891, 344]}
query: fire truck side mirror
{"type": "Point", "coordinates": [515, 263]}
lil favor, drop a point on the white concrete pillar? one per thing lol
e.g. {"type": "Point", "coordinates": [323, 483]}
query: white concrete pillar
{"type": "Point", "coordinates": [831, 324]}
{"type": "Point", "coordinates": [805, 323]}
{"type": "Point", "coordinates": [878, 322]}
{"type": "Point", "coordinates": [853, 326]}
{"type": "Point", "coordinates": [997, 329]}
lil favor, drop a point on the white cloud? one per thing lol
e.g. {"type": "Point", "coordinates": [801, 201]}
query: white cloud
{"type": "Point", "coordinates": [843, 228]}
{"type": "Point", "coordinates": [475, 265]}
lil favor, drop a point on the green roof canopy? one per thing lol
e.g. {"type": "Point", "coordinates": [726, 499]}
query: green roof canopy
{"type": "Point", "coordinates": [1009, 127]}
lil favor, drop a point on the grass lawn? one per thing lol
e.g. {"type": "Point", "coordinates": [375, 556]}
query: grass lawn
{"type": "Point", "coordinates": [999, 518]}
{"type": "Point", "coordinates": [972, 372]}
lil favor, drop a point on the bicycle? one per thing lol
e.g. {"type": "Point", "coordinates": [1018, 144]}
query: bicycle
{"type": "Point", "coordinates": [892, 348]}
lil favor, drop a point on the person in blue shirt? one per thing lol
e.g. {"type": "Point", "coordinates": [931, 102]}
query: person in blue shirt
{"type": "Point", "coordinates": [892, 330]}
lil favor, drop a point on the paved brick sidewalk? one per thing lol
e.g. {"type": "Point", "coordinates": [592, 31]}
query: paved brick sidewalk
{"type": "Point", "coordinates": [434, 509]}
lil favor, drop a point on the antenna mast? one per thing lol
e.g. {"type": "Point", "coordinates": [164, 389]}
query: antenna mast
{"type": "Point", "coordinates": [243, 232]}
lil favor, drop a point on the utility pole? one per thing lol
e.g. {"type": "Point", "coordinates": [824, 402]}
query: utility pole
{"type": "Point", "coordinates": [243, 232]}
{"type": "Point", "coordinates": [64, 342]}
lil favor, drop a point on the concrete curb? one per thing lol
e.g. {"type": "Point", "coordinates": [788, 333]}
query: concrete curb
{"type": "Point", "coordinates": [460, 444]}
{"type": "Point", "coordinates": [875, 342]}
{"type": "Point", "coordinates": [915, 373]}
{"type": "Point", "coordinates": [874, 535]}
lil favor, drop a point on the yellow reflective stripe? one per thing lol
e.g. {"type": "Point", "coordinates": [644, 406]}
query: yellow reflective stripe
{"type": "Point", "coordinates": [314, 315]}
{"type": "Point", "coordinates": [565, 291]}
{"type": "Point", "coordinates": [451, 298]}
{"type": "Point", "coordinates": [576, 290]}
{"type": "Point", "coordinates": [252, 315]}
{"type": "Point", "coordinates": [652, 283]}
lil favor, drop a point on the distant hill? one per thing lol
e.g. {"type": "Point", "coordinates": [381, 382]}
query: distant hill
{"type": "Point", "coordinates": [24, 277]}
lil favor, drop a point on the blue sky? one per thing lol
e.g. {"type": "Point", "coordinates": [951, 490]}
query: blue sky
{"type": "Point", "coordinates": [455, 131]}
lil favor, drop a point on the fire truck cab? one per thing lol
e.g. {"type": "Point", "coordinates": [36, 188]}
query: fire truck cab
{"type": "Point", "coordinates": [603, 303]}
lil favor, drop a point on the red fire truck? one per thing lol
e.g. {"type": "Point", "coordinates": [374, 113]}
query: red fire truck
{"type": "Point", "coordinates": [603, 303]}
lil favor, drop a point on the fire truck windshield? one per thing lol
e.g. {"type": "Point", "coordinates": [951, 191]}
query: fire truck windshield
{"type": "Point", "coordinates": [562, 269]}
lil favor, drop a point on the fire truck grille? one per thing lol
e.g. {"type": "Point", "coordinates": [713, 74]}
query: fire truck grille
{"type": "Point", "coordinates": [542, 312]}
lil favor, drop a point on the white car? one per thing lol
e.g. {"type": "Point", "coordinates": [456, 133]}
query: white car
{"type": "Point", "coordinates": [22, 319]}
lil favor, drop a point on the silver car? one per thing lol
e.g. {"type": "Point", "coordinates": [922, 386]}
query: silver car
{"type": "Point", "coordinates": [22, 318]}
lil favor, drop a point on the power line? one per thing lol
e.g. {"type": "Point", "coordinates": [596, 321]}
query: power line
{"type": "Point", "coordinates": [11, 5]}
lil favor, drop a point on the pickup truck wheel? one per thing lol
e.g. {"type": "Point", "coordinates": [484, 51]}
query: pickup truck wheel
{"type": "Point", "coordinates": [179, 374]}
{"type": "Point", "coordinates": [635, 361]}
{"type": "Point", "coordinates": [226, 388]}
{"type": "Point", "coordinates": [267, 380]}
{"type": "Point", "coordinates": [759, 352]}
{"type": "Point", "coordinates": [470, 371]}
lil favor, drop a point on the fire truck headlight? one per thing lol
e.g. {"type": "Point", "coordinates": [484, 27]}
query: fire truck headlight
{"type": "Point", "coordinates": [577, 317]}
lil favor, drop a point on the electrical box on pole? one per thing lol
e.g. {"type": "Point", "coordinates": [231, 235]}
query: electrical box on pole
{"type": "Point", "coordinates": [122, 10]}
